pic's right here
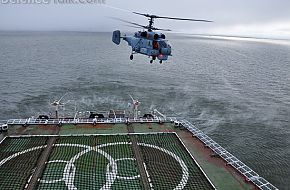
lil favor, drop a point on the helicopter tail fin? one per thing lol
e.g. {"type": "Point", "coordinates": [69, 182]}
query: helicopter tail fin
{"type": "Point", "coordinates": [116, 38]}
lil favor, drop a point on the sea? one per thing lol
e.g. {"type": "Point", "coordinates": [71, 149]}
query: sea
{"type": "Point", "coordinates": [237, 90]}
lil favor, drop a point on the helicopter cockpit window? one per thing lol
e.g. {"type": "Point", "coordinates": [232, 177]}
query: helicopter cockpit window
{"type": "Point", "coordinates": [163, 44]}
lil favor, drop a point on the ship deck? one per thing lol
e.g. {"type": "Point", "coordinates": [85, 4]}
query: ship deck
{"type": "Point", "coordinates": [111, 156]}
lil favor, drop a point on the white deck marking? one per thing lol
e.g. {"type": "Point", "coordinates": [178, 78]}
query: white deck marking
{"type": "Point", "coordinates": [148, 176]}
{"type": "Point", "coordinates": [112, 169]}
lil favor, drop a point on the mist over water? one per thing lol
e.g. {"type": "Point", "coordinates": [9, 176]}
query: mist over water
{"type": "Point", "coordinates": [237, 91]}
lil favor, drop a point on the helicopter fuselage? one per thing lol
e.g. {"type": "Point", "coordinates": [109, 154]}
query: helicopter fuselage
{"type": "Point", "coordinates": [148, 43]}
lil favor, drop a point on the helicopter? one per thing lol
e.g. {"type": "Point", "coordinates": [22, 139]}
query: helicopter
{"type": "Point", "coordinates": [148, 42]}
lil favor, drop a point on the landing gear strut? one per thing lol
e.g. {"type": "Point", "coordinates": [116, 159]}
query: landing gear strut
{"type": "Point", "coordinates": [131, 57]}
{"type": "Point", "coordinates": [153, 59]}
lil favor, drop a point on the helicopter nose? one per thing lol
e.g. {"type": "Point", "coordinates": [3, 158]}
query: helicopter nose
{"type": "Point", "coordinates": [166, 51]}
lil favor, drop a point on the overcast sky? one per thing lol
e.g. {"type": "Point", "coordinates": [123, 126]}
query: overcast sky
{"type": "Point", "coordinates": [260, 18]}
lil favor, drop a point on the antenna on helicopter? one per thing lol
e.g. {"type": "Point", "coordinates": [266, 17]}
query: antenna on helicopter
{"type": "Point", "coordinates": [58, 103]}
{"type": "Point", "coordinates": [135, 103]}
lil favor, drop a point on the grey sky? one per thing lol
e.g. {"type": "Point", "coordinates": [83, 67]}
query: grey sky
{"type": "Point", "coordinates": [263, 18]}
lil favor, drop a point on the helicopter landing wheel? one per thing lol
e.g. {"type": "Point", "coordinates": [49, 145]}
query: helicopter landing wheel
{"type": "Point", "coordinates": [151, 61]}
{"type": "Point", "coordinates": [153, 57]}
{"type": "Point", "coordinates": [160, 61]}
{"type": "Point", "coordinates": [131, 57]}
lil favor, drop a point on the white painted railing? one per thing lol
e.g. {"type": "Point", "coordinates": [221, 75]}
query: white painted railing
{"type": "Point", "coordinates": [230, 159]}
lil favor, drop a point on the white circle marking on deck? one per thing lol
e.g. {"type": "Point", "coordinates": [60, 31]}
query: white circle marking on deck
{"type": "Point", "coordinates": [69, 175]}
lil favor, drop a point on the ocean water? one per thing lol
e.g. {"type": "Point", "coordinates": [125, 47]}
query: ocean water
{"type": "Point", "coordinates": [236, 91]}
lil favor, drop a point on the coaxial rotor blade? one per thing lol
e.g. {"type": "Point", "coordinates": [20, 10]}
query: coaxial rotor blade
{"type": "Point", "coordinates": [134, 26]}
{"type": "Point", "coordinates": [133, 23]}
{"type": "Point", "coordinates": [146, 15]}
{"type": "Point", "coordinates": [161, 29]}
{"type": "Point", "coordinates": [185, 19]}
{"type": "Point", "coordinates": [172, 18]}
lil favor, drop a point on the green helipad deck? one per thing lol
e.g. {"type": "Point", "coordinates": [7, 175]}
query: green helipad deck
{"type": "Point", "coordinates": [117, 154]}
{"type": "Point", "coordinates": [100, 162]}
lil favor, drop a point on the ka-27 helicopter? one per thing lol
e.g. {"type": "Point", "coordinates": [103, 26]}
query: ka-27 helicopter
{"type": "Point", "coordinates": [150, 43]}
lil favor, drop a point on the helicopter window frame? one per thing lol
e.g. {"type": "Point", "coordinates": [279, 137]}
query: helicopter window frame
{"type": "Point", "coordinates": [163, 43]}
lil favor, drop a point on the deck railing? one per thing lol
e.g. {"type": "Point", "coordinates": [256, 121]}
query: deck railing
{"type": "Point", "coordinates": [230, 159]}
{"type": "Point", "coordinates": [31, 121]}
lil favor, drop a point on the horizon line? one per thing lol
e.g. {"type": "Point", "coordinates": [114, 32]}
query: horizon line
{"type": "Point", "coordinates": [182, 33]}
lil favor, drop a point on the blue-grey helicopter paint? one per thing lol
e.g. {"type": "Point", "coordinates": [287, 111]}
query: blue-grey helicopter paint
{"type": "Point", "coordinates": [150, 43]}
